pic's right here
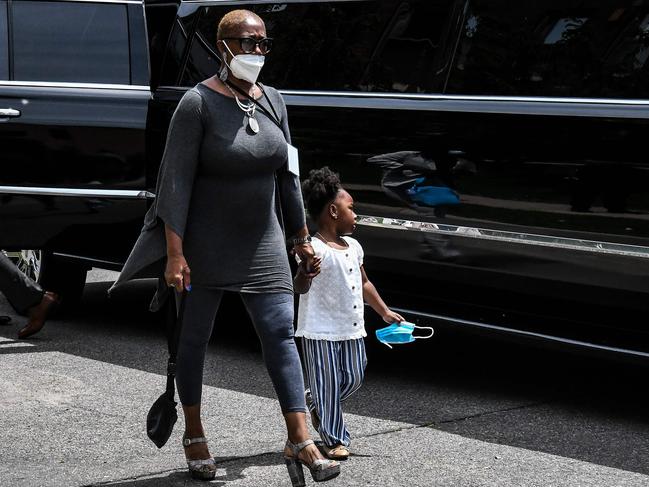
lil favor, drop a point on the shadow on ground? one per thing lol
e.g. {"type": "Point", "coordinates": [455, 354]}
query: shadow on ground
{"type": "Point", "coordinates": [234, 468]}
{"type": "Point", "coordinates": [568, 405]}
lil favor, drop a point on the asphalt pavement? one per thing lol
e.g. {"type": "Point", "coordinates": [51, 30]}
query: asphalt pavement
{"type": "Point", "coordinates": [452, 411]}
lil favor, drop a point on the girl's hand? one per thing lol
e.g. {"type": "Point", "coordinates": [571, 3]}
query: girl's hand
{"type": "Point", "coordinates": [392, 317]}
{"type": "Point", "coordinates": [315, 268]}
{"type": "Point", "coordinates": [306, 253]}
{"type": "Point", "coordinates": [177, 273]}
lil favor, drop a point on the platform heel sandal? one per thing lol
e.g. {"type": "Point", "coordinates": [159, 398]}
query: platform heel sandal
{"type": "Point", "coordinates": [200, 469]}
{"type": "Point", "coordinates": [295, 471]}
{"type": "Point", "coordinates": [321, 470]}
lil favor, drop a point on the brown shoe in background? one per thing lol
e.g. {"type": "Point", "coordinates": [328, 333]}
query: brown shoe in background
{"type": "Point", "coordinates": [38, 314]}
{"type": "Point", "coordinates": [336, 452]}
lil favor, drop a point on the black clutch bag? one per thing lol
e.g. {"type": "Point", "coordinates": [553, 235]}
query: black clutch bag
{"type": "Point", "coordinates": [162, 416]}
{"type": "Point", "coordinates": [161, 420]}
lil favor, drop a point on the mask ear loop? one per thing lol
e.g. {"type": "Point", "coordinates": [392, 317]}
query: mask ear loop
{"type": "Point", "coordinates": [229, 50]}
{"type": "Point", "coordinates": [432, 331]}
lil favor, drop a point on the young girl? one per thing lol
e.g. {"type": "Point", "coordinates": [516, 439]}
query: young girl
{"type": "Point", "coordinates": [330, 316]}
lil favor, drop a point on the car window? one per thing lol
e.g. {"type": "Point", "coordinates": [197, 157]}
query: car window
{"type": "Point", "coordinates": [71, 42]}
{"type": "Point", "coordinates": [4, 42]}
{"type": "Point", "coordinates": [409, 56]}
{"type": "Point", "coordinates": [161, 42]}
{"type": "Point", "coordinates": [139, 60]}
{"type": "Point", "coordinates": [386, 45]}
{"type": "Point", "coordinates": [553, 48]}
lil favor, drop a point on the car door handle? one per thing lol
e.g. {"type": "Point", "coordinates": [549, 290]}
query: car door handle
{"type": "Point", "coordinates": [9, 113]}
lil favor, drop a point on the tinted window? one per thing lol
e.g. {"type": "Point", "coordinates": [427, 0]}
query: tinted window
{"type": "Point", "coordinates": [73, 42]}
{"type": "Point", "coordinates": [4, 54]}
{"type": "Point", "coordinates": [385, 45]}
{"type": "Point", "coordinates": [412, 51]}
{"type": "Point", "coordinates": [173, 56]}
{"type": "Point", "coordinates": [139, 65]}
{"type": "Point", "coordinates": [162, 17]}
{"type": "Point", "coordinates": [553, 48]}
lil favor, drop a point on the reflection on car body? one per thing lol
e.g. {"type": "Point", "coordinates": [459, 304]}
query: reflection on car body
{"type": "Point", "coordinates": [496, 150]}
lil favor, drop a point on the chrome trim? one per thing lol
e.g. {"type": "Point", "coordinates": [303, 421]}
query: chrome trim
{"type": "Point", "coordinates": [446, 97]}
{"type": "Point", "coordinates": [90, 260]}
{"type": "Point", "coordinates": [208, 3]}
{"type": "Point", "coordinates": [440, 97]}
{"type": "Point", "coordinates": [513, 105]}
{"type": "Point", "coordinates": [505, 236]}
{"type": "Point", "coordinates": [527, 334]}
{"type": "Point", "coordinates": [49, 84]}
{"type": "Point", "coordinates": [103, 1]}
{"type": "Point", "coordinates": [572, 107]}
{"type": "Point", "coordinates": [9, 112]}
{"type": "Point", "coordinates": [82, 192]}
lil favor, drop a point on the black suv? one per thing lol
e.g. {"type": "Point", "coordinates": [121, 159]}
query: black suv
{"type": "Point", "coordinates": [496, 149]}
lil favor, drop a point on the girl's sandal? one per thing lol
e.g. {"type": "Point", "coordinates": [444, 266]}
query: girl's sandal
{"type": "Point", "coordinates": [321, 470]}
{"type": "Point", "coordinates": [200, 469]}
{"type": "Point", "coordinates": [336, 452]}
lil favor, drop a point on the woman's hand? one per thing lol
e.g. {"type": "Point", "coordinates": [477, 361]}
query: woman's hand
{"type": "Point", "coordinates": [177, 273]}
{"type": "Point", "coordinates": [392, 317]}
{"type": "Point", "coordinates": [306, 253]}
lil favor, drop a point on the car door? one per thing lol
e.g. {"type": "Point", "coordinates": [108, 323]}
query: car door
{"type": "Point", "coordinates": [74, 98]}
{"type": "Point", "coordinates": [460, 129]}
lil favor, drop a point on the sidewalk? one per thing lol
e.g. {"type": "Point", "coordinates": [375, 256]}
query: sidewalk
{"type": "Point", "coordinates": [73, 421]}
{"type": "Point", "coordinates": [74, 400]}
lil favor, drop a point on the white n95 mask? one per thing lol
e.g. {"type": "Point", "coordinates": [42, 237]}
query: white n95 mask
{"type": "Point", "coordinates": [245, 66]}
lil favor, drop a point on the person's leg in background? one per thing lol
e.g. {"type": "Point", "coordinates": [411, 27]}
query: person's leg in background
{"type": "Point", "coordinates": [25, 295]}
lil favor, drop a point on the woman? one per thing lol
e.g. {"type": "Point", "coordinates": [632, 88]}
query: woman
{"type": "Point", "coordinates": [215, 220]}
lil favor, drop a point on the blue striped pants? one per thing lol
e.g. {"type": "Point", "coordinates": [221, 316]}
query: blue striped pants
{"type": "Point", "coordinates": [334, 371]}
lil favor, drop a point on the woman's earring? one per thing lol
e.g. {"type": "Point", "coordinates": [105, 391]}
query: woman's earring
{"type": "Point", "coordinates": [223, 72]}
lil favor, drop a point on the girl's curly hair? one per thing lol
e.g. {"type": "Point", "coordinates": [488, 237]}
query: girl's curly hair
{"type": "Point", "coordinates": [320, 189]}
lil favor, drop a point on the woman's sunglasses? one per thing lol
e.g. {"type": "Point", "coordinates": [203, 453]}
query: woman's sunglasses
{"type": "Point", "coordinates": [248, 44]}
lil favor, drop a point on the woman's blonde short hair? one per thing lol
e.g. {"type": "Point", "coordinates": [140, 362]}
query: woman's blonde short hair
{"type": "Point", "coordinates": [232, 20]}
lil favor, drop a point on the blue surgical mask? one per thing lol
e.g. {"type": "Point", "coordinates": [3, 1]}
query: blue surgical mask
{"type": "Point", "coordinates": [398, 333]}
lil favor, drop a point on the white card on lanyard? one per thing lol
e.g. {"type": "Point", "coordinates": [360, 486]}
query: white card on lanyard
{"type": "Point", "coordinates": [293, 160]}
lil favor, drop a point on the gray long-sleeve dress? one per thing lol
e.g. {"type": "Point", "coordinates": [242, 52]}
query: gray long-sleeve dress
{"type": "Point", "coordinates": [216, 190]}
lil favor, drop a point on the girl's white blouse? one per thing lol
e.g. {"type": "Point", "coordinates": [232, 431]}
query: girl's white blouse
{"type": "Point", "coordinates": [333, 307]}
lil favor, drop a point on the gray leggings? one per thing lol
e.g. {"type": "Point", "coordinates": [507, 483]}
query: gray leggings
{"type": "Point", "coordinates": [272, 315]}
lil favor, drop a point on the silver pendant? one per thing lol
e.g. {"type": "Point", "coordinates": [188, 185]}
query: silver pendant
{"type": "Point", "coordinates": [253, 124]}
